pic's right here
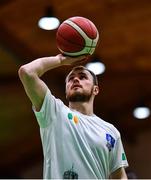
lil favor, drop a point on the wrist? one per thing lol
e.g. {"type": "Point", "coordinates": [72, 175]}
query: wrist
{"type": "Point", "coordinates": [61, 59]}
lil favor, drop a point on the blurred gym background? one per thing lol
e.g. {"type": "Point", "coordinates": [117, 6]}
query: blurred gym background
{"type": "Point", "coordinates": [124, 49]}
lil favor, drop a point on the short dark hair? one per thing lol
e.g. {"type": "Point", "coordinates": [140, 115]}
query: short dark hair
{"type": "Point", "coordinates": [76, 68]}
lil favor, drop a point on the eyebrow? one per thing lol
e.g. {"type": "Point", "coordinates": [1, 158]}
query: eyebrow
{"type": "Point", "coordinates": [73, 74]}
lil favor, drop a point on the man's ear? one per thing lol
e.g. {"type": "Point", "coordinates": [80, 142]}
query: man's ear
{"type": "Point", "coordinates": [96, 90]}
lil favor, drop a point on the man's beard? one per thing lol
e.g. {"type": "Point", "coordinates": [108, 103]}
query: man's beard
{"type": "Point", "coordinates": [80, 97]}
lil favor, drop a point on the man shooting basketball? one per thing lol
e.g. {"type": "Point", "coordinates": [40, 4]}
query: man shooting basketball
{"type": "Point", "coordinates": [76, 143]}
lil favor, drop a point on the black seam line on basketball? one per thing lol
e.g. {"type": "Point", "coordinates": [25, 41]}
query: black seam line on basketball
{"type": "Point", "coordinates": [78, 26]}
{"type": "Point", "coordinates": [81, 27]}
{"type": "Point", "coordinates": [85, 33]}
{"type": "Point", "coordinates": [79, 45]}
{"type": "Point", "coordinates": [68, 39]}
{"type": "Point", "coordinates": [76, 30]}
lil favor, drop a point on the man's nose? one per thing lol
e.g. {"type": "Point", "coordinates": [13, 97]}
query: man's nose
{"type": "Point", "coordinates": [76, 79]}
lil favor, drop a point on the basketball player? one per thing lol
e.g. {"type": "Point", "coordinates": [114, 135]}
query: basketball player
{"type": "Point", "coordinates": [76, 143]}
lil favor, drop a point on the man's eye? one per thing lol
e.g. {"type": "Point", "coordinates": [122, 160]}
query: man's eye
{"type": "Point", "coordinates": [70, 79]}
{"type": "Point", "coordinates": [83, 77]}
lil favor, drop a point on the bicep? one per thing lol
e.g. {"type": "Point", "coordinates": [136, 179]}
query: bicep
{"type": "Point", "coordinates": [119, 174]}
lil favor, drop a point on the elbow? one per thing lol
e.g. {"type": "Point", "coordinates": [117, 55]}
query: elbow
{"type": "Point", "coordinates": [24, 73]}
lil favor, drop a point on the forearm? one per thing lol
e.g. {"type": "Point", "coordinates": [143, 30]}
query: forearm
{"type": "Point", "coordinates": [41, 65]}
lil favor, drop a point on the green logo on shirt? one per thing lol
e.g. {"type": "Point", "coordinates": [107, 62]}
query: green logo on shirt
{"type": "Point", "coordinates": [70, 116]}
{"type": "Point", "coordinates": [123, 156]}
{"type": "Point", "coordinates": [74, 118]}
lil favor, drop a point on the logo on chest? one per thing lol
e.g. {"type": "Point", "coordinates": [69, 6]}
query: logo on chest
{"type": "Point", "coordinates": [110, 142]}
{"type": "Point", "coordinates": [73, 118]}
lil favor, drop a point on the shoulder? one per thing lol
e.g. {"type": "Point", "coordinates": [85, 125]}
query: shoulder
{"type": "Point", "coordinates": [109, 128]}
{"type": "Point", "coordinates": [51, 103]}
{"type": "Point", "coordinates": [50, 96]}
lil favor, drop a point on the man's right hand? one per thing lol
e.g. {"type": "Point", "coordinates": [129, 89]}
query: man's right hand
{"type": "Point", "coordinates": [68, 60]}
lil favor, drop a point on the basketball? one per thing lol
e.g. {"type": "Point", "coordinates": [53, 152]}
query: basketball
{"type": "Point", "coordinates": [77, 36]}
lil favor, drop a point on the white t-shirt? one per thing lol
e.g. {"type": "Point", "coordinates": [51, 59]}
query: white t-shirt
{"type": "Point", "coordinates": [76, 145]}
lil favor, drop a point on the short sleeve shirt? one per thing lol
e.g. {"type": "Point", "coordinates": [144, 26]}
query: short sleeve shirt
{"type": "Point", "coordinates": [77, 145]}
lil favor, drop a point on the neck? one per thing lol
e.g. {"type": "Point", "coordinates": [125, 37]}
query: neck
{"type": "Point", "coordinates": [83, 107]}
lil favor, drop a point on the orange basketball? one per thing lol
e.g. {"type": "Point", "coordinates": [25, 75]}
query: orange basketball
{"type": "Point", "coordinates": [77, 36]}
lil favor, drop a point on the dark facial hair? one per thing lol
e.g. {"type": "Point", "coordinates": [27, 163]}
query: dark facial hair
{"type": "Point", "coordinates": [80, 97]}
